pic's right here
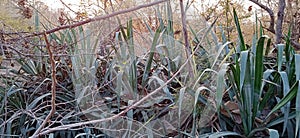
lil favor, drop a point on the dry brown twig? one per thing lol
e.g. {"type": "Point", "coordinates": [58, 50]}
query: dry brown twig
{"type": "Point", "coordinates": [53, 88]}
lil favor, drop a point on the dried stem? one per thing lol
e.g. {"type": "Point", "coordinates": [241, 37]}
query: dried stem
{"type": "Point", "coordinates": [53, 88]}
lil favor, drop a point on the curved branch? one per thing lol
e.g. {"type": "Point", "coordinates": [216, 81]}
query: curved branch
{"type": "Point", "coordinates": [294, 43]}
{"type": "Point", "coordinates": [270, 11]}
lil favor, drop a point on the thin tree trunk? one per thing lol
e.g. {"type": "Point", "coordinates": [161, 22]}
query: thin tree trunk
{"type": "Point", "coordinates": [280, 17]}
{"type": "Point", "coordinates": [185, 36]}
{"type": "Point", "coordinates": [184, 29]}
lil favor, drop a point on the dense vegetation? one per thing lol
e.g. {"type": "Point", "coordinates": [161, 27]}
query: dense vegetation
{"type": "Point", "coordinates": [113, 76]}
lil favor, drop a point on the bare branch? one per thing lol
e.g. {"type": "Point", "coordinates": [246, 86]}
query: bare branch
{"type": "Point", "coordinates": [270, 11]}
{"type": "Point", "coordinates": [99, 18]}
{"type": "Point", "coordinates": [53, 89]}
{"type": "Point", "coordinates": [294, 43]}
{"type": "Point", "coordinates": [280, 15]}
{"type": "Point", "coordinates": [185, 33]}
{"type": "Point", "coordinates": [68, 7]}
{"type": "Point", "coordinates": [183, 21]}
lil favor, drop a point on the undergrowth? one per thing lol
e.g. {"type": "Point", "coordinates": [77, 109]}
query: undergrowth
{"type": "Point", "coordinates": [219, 88]}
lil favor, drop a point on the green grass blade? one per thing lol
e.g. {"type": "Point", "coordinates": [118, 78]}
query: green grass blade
{"type": "Point", "coordinates": [280, 48]}
{"type": "Point", "coordinates": [219, 53]}
{"type": "Point", "coordinates": [220, 85]}
{"type": "Point", "coordinates": [170, 26]}
{"type": "Point", "coordinates": [63, 35]}
{"type": "Point", "coordinates": [287, 98]}
{"type": "Point", "coordinates": [165, 89]}
{"type": "Point", "coordinates": [160, 19]}
{"type": "Point", "coordinates": [268, 94]}
{"type": "Point", "coordinates": [119, 88]}
{"type": "Point", "coordinates": [53, 36]}
{"type": "Point", "coordinates": [224, 133]}
{"type": "Point", "coordinates": [273, 133]}
{"type": "Point", "coordinates": [236, 76]}
{"type": "Point", "coordinates": [129, 36]}
{"type": "Point", "coordinates": [258, 73]}
{"type": "Point", "coordinates": [133, 67]}
{"type": "Point", "coordinates": [224, 38]}
{"type": "Point", "coordinates": [180, 108]}
{"type": "Point", "coordinates": [254, 42]}
{"type": "Point", "coordinates": [150, 59]}
{"type": "Point", "coordinates": [215, 38]}
{"type": "Point", "coordinates": [297, 72]}
{"type": "Point", "coordinates": [286, 108]}
{"type": "Point", "coordinates": [148, 27]}
{"type": "Point", "coordinates": [195, 112]}
{"type": "Point", "coordinates": [297, 130]}
{"type": "Point", "coordinates": [36, 101]}
{"type": "Point", "coordinates": [195, 38]}
{"type": "Point", "coordinates": [130, 118]}
{"type": "Point", "coordinates": [36, 21]}
{"type": "Point", "coordinates": [247, 92]}
{"type": "Point", "coordinates": [207, 70]}
{"type": "Point", "coordinates": [69, 38]}
{"type": "Point", "coordinates": [279, 120]}
{"type": "Point", "coordinates": [268, 47]}
{"type": "Point", "coordinates": [261, 29]}
{"type": "Point", "coordinates": [28, 66]}
{"type": "Point", "coordinates": [287, 49]}
{"type": "Point", "coordinates": [244, 67]}
{"type": "Point", "coordinates": [240, 34]}
{"type": "Point", "coordinates": [233, 82]}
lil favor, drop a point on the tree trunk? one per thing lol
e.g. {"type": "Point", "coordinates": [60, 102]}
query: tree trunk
{"type": "Point", "coordinates": [280, 17]}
